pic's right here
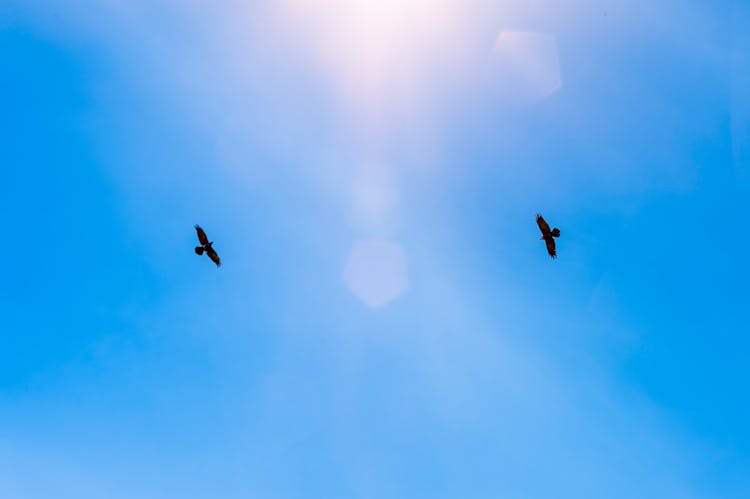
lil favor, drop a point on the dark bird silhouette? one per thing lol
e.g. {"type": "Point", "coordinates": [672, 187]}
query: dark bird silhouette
{"type": "Point", "coordinates": [548, 235]}
{"type": "Point", "coordinates": [206, 246]}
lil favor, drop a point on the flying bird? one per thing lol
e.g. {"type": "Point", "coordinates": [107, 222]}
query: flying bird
{"type": "Point", "coordinates": [206, 246]}
{"type": "Point", "coordinates": [548, 235]}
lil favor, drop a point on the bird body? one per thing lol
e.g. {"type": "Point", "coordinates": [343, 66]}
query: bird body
{"type": "Point", "coordinates": [548, 235]}
{"type": "Point", "coordinates": [206, 246]}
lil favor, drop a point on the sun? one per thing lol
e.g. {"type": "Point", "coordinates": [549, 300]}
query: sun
{"type": "Point", "coordinates": [375, 51]}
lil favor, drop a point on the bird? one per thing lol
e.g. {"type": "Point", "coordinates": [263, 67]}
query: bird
{"type": "Point", "coordinates": [548, 235]}
{"type": "Point", "coordinates": [206, 246]}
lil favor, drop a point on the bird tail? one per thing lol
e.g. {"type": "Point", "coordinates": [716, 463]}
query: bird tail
{"type": "Point", "coordinates": [555, 232]}
{"type": "Point", "coordinates": [198, 250]}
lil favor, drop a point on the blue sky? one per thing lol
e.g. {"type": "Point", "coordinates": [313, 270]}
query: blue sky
{"type": "Point", "coordinates": [386, 322]}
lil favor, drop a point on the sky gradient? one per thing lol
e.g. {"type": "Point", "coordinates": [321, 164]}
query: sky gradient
{"type": "Point", "coordinates": [386, 322]}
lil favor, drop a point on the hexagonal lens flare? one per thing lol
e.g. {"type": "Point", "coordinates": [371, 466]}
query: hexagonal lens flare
{"type": "Point", "coordinates": [524, 67]}
{"type": "Point", "coordinates": [376, 272]}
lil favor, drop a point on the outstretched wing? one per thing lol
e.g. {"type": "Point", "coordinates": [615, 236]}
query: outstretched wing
{"type": "Point", "coordinates": [201, 235]}
{"type": "Point", "coordinates": [543, 225]}
{"type": "Point", "coordinates": [550, 247]}
{"type": "Point", "coordinates": [213, 256]}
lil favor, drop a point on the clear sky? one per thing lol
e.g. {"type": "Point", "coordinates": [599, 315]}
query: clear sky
{"type": "Point", "coordinates": [386, 323]}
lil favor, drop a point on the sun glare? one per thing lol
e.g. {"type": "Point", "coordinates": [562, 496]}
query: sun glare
{"type": "Point", "coordinates": [378, 52]}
